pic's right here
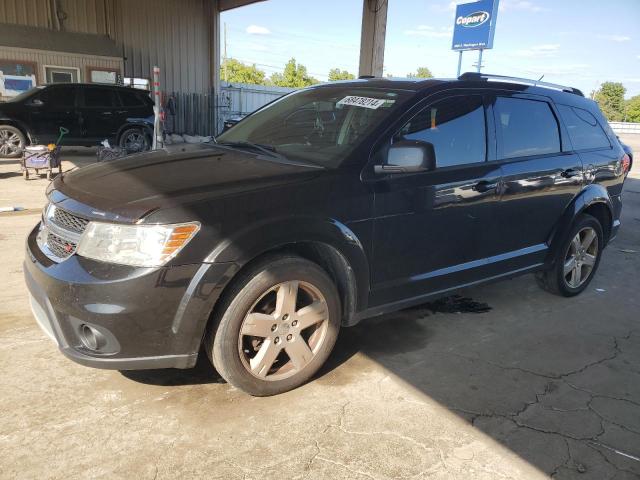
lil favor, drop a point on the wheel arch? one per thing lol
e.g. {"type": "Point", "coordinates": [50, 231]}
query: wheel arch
{"type": "Point", "coordinates": [19, 125]}
{"type": "Point", "coordinates": [328, 243]}
{"type": "Point", "coordinates": [593, 200]}
{"type": "Point", "coordinates": [140, 125]}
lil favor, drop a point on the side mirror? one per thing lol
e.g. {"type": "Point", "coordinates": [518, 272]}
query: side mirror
{"type": "Point", "coordinates": [230, 122]}
{"type": "Point", "coordinates": [408, 156]}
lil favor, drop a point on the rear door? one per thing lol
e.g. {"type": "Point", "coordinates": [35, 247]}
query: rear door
{"type": "Point", "coordinates": [99, 117]}
{"type": "Point", "coordinates": [432, 229]}
{"type": "Point", "coordinates": [55, 107]}
{"type": "Point", "coordinates": [541, 175]}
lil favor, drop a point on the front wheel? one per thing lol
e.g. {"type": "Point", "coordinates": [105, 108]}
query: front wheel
{"type": "Point", "coordinates": [12, 141]}
{"type": "Point", "coordinates": [276, 326]}
{"type": "Point", "coordinates": [577, 260]}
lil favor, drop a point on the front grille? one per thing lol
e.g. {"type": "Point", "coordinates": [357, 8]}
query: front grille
{"type": "Point", "coordinates": [69, 221]}
{"type": "Point", "coordinates": [59, 246]}
{"type": "Point", "coordinates": [60, 233]}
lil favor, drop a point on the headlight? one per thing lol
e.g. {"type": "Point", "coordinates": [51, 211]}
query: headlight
{"type": "Point", "coordinates": [138, 245]}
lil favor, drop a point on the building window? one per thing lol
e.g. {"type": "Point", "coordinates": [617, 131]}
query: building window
{"type": "Point", "coordinates": [16, 77]}
{"type": "Point", "coordinates": [103, 75]}
{"type": "Point", "coordinates": [53, 74]}
{"type": "Point", "coordinates": [141, 83]}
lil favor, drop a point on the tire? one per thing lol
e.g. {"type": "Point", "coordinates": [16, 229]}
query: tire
{"type": "Point", "coordinates": [266, 291]}
{"type": "Point", "coordinates": [12, 141]}
{"type": "Point", "coordinates": [135, 140]}
{"type": "Point", "coordinates": [576, 260]}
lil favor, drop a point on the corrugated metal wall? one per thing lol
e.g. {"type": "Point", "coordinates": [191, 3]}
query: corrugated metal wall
{"type": "Point", "coordinates": [173, 34]}
{"type": "Point", "coordinates": [176, 35]}
{"type": "Point", "coordinates": [34, 13]}
{"type": "Point", "coordinates": [42, 58]}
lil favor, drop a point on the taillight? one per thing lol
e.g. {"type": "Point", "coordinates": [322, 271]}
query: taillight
{"type": "Point", "coordinates": [626, 164]}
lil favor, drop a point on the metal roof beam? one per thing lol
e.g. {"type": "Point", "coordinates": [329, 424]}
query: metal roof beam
{"type": "Point", "coordinates": [224, 5]}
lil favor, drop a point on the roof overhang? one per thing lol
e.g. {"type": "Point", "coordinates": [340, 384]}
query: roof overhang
{"type": "Point", "coordinates": [224, 5]}
{"type": "Point", "coordinates": [22, 36]}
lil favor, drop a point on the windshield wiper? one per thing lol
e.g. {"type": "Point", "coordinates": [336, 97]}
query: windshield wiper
{"type": "Point", "coordinates": [261, 147]}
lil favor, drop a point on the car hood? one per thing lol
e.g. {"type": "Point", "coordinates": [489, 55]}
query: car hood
{"type": "Point", "coordinates": [136, 185]}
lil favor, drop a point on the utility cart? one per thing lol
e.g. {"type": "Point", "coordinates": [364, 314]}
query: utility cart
{"type": "Point", "coordinates": [43, 157]}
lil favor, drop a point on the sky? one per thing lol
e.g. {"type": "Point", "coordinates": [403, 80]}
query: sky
{"type": "Point", "coordinates": [580, 43]}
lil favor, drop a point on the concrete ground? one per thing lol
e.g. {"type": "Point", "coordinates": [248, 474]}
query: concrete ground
{"type": "Point", "coordinates": [537, 386]}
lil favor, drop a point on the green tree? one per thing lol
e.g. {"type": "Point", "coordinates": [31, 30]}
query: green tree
{"type": "Point", "coordinates": [610, 98]}
{"type": "Point", "coordinates": [423, 72]}
{"type": "Point", "coordinates": [337, 74]}
{"type": "Point", "coordinates": [294, 75]}
{"type": "Point", "coordinates": [633, 109]}
{"type": "Point", "coordinates": [233, 71]}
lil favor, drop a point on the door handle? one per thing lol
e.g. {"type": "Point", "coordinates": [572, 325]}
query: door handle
{"type": "Point", "coordinates": [570, 172]}
{"type": "Point", "coordinates": [485, 186]}
{"type": "Point", "coordinates": [107, 113]}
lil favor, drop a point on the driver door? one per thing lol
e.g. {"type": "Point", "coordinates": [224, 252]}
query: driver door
{"type": "Point", "coordinates": [432, 229]}
{"type": "Point", "coordinates": [55, 107]}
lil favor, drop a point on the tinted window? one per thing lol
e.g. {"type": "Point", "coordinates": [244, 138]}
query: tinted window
{"type": "Point", "coordinates": [99, 97]}
{"type": "Point", "coordinates": [455, 127]}
{"type": "Point", "coordinates": [584, 129]}
{"type": "Point", "coordinates": [130, 98]}
{"type": "Point", "coordinates": [58, 97]}
{"type": "Point", "coordinates": [525, 127]}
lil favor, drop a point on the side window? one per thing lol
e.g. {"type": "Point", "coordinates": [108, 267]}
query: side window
{"type": "Point", "coordinates": [58, 97]}
{"type": "Point", "coordinates": [584, 129]}
{"type": "Point", "coordinates": [130, 98]}
{"type": "Point", "coordinates": [525, 127]}
{"type": "Point", "coordinates": [456, 128]}
{"type": "Point", "coordinates": [99, 97]}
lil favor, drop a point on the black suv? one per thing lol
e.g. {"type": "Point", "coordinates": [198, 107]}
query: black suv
{"type": "Point", "coordinates": [90, 112]}
{"type": "Point", "coordinates": [332, 204]}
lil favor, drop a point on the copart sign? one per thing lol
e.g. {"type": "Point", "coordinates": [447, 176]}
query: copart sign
{"type": "Point", "coordinates": [475, 25]}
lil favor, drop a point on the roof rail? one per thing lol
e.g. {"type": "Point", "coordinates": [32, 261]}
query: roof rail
{"type": "Point", "coordinates": [525, 81]}
{"type": "Point", "coordinates": [361, 77]}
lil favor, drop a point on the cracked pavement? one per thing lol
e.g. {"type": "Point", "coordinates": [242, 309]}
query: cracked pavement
{"type": "Point", "coordinates": [537, 387]}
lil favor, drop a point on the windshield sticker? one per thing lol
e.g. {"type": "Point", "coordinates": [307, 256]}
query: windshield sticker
{"type": "Point", "coordinates": [365, 102]}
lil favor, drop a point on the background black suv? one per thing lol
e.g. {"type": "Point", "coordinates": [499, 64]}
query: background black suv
{"type": "Point", "coordinates": [330, 205]}
{"type": "Point", "coordinates": [90, 112]}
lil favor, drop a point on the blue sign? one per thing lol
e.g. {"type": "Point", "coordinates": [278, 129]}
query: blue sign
{"type": "Point", "coordinates": [475, 25]}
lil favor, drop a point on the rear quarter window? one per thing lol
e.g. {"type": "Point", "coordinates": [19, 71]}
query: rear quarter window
{"type": "Point", "coordinates": [584, 130]}
{"type": "Point", "coordinates": [133, 98]}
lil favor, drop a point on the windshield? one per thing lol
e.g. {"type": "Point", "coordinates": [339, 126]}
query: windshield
{"type": "Point", "coordinates": [321, 125]}
{"type": "Point", "coordinates": [24, 95]}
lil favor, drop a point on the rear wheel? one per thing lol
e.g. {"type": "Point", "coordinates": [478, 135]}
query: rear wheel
{"type": "Point", "coordinates": [276, 326]}
{"type": "Point", "coordinates": [577, 260]}
{"type": "Point", "coordinates": [135, 140]}
{"type": "Point", "coordinates": [12, 141]}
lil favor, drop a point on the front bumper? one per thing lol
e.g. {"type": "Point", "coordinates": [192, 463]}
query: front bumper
{"type": "Point", "coordinates": [143, 317]}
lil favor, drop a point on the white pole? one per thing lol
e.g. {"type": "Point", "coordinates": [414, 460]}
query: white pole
{"type": "Point", "coordinates": [479, 60]}
{"type": "Point", "coordinates": [157, 124]}
{"type": "Point", "coordinates": [459, 63]}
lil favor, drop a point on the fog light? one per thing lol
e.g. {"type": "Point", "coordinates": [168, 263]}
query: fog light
{"type": "Point", "coordinates": [90, 337]}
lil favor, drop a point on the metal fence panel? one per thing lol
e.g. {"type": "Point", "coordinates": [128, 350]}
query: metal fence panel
{"type": "Point", "coordinates": [204, 114]}
{"type": "Point", "coordinates": [625, 127]}
{"type": "Point", "coordinates": [238, 100]}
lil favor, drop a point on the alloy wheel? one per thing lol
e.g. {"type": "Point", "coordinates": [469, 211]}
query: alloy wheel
{"type": "Point", "coordinates": [581, 257]}
{"type": "Point", "coordinates": [135, 142]}
{"type": "Point", "coordinates": [283, 331]}
{"type": "Point", "coordinates": [9, 143]}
